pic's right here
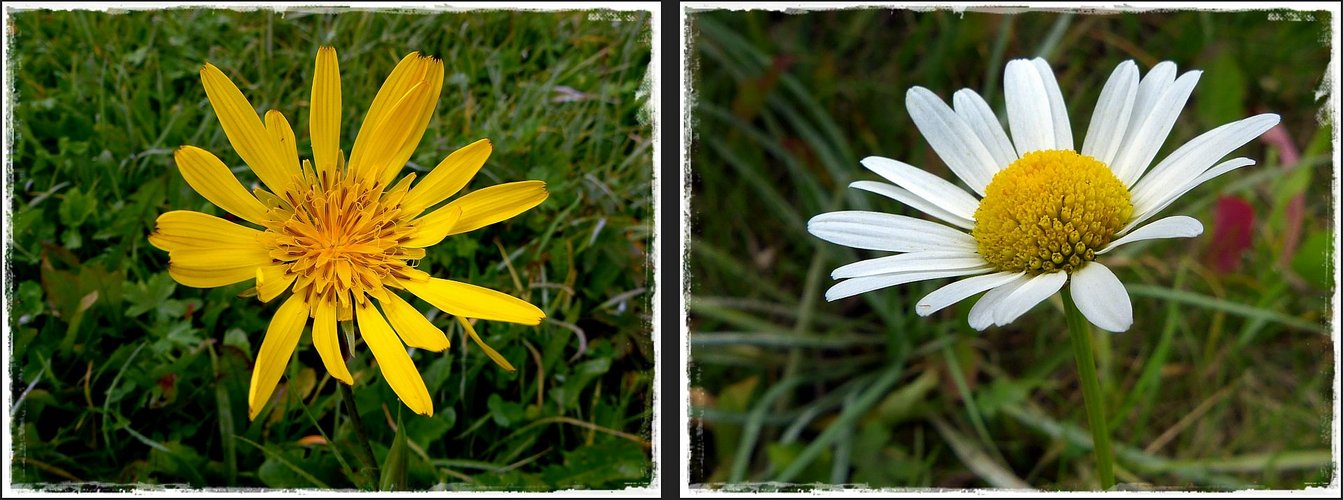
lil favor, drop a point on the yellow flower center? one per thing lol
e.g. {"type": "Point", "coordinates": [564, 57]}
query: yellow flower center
{"type": "Point", "coordinates": [1049, 211]}
{"type": "Point", "coordinates": [341, 236]}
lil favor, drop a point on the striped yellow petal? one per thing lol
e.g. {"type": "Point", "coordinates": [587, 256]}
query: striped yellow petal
{"type": "Point", "coordinates": [212, 267]}
{"type": "Point", "coordinates": [415, 330]}
{"type": "Point", "coordinates": [273, 280]}
{"type": "Point", "coordinates": [254, 256]}
{"type": "Point", "coordinates": [407, 73]}
{"type": "Point", "coordinates": [393, 360]}
{"type": "Point", "coordinates": [494, 355]}
{"type": "Point", "coordinates": [184, 229]}
{"type": "Point", "coordinates": [449, 177]}
{"type": "Point", "coordinates": [245, 131]}
{"type": "Point", "coordinates": [327, 341]}
{"type": "Point", "coordinates": [480, 208]}
{"type": "Point", "coordinates": [414, 124]}
{"type": "Point", "coordinates": [211, 276]}
{"type": "Point", "coordinates": [387, 136]}
{"type": "Point", "coordinates": [433, 228]}
{"type": "Point", "coordinates": [464, 299]}
{"type": "Point", "coordinates": [209, 177]}
{"type": "Point", "coordinates": [280, 131]}
{"type": "Point", "coordinates": [324, 122]}
{"type": "Point", "coordinates": [281, 338]}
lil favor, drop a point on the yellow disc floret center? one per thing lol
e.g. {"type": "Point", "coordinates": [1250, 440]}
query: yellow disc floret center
{"type": "Point", "coordinates": [1049, 211]}
{"type": "Point", "coordinates": [341, 236]}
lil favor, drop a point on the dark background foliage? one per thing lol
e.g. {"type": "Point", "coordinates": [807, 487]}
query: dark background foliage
{"type": "Point", "coordinates": [1225, 379]}
{"type": "Point", "coordinates": [122, 376]}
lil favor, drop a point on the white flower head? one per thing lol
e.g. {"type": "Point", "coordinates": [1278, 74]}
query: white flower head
{"type": "Point", "coordinates": [1039, 212]}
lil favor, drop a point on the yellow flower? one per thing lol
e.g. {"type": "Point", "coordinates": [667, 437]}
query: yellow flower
{"type": "Point", "coordinates": [340, 236]}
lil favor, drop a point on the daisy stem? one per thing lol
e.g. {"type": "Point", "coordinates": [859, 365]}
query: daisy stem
{"type": "Point", "coordinates": [369, 472]}
{"type": "Point", "coordinates": [1091, 390]}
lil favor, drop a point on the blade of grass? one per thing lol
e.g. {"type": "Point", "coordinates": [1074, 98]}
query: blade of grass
{"type": "Point", "coordinates": [976, 459]}
{"type": "Point", "coordinates": [280, 458]}
{"type": "Point", "coordinates": [1217, 304]}
{"type": "Point", "coordinates": [846, 418]}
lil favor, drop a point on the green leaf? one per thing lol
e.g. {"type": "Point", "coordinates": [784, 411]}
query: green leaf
{"type": "Point", "coordinates": [583, 375]}
{"type": "Point", "coordinates": [149, 295]}
{"type": "Point", "coordinates": [1312, 260]}
{"type": "Point", "coordinates": [428, 430]}
{"type": "Point", "coordinates": [76, 207]}
{"type": "Point", "coordinates": [1221, 94]}
{"type": "Point", "coordinates": [505, 413]}
{"type": "Point", "coordinates": [394, 468]}
{"type": "Point", "coordinates": [28, 301]}
{"type": "Point", "coordinates": [235, 337]}
{"type": "Point", "coordinates": [608, 464]}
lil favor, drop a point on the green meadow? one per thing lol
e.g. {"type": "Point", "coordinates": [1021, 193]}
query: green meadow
{"type": "Point", "coordinates": [124, 379]}
{"type": "Point", "coordinates": [1224, 381]}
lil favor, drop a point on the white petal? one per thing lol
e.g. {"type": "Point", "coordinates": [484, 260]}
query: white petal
{"type": "Point", "coordinates": [936, 190]}
{"type": "Point", "coordinates": [960, 290]}
{"type": "Point", "coordinates": [981, 119]}
{"type": "Point", "coordinates": [1102, 298]}
{"type": "Point", "coordinates": [890, 232]}
{"type": "Point", "coordinates": [907, 262]}
{"type": "Point", "coordinates": [1149, 90]}
{"type": "Point", "coordinates": [1142, 143]}
{"type": "Point", "coordinates": [1178, 226]}
{"type": "Point", "coordinates": [1031, 293]}
{"type": "Point", "coordinates": [981, 315]}
{"type": "Point", "coordinates": [1063, 131]}
{"type": "Point", "coordinates": [1166, 197]}
{"type": "Point", "coordinates": [1110, 120]}
{"type": "Point", "coordinates": [855, 286]}
{"type": "Point", "coordinates": [913, 201]}
{"type": "Point", "coordinates": [951, 138]}
{"type": "Point", "coordinates": [1028, 113]}
{"type": "Point", "coordinates": [1194, 158]}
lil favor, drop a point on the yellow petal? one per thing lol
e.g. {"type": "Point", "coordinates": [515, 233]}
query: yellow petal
{"type": "Point", "coordinates": [184, 229]}
{"type": "Point", "coordinates": [211, 276]}
{"type": "Point", "coordinates": [273, 280]}
{"type": "Point", "coordinates": [481, 208]}
{"type": "Point", "coordinates": [372, 158]}
{"type": "Point", "coordinates": [393, 360]}
{"type": "Point", "coordinates": [494, 355]}
{"type": "Point", "coordinates": [416, 126]}
{"type": "Point", "coordinates": [324, 122]}
{"type": "Point", "coordinates": [211, 267]}
{"type": "Point", "coordinates": [432, 228]}
{"type": "Point", "coordinates": [415, 330]}
{"type": "Point", "coordinates": [327, 341]}
{"type": "Point", "coordinates": [464, 299]}
{"type": "Point", "coordinates": [276, 349]}
{"type": "Point", "coordinates": [244, 130]}
{"type": "Point", "coordinates": [407, 73]}
{"type": "Point", "coordinates": [209, 177]}
{"type": "Point", "coordinates": [278, 128]}
{"type": "Point", "coordinates": [449, 177]}
{"type": "Point", "coordinates": [254, 256]}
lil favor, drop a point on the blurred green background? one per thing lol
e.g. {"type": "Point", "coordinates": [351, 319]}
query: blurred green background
{"type": "Point", "coordinates": [122, 377]}
{"type": "Point", "coordinates": [1225, 379]}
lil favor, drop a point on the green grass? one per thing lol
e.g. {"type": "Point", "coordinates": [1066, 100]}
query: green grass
{"type": "Point", "coordinates": [1223, 382]}
{"type": "Point", "coordinates": [123, 377]}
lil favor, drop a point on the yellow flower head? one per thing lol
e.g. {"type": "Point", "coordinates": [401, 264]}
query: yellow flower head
{"type": "Point", "coordinates": [341, 236]}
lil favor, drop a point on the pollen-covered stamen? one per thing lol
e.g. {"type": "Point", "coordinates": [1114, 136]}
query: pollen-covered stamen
{"type": "Point", "coordinates": [340, 236]}
{"type": "Point", "coordinates": [1049, 211]}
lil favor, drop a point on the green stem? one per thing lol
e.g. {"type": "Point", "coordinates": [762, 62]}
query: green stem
{"type": "Point", "coordinates": [368, 474]}
{"type": "Point", "coordinates": [1091, 391]}
{"type": "Point", "coordinates": [364, 450]}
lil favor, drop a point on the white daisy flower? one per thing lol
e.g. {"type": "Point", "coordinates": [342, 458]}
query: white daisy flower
{"type": "Point", "coordinates": [1040, 212]}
